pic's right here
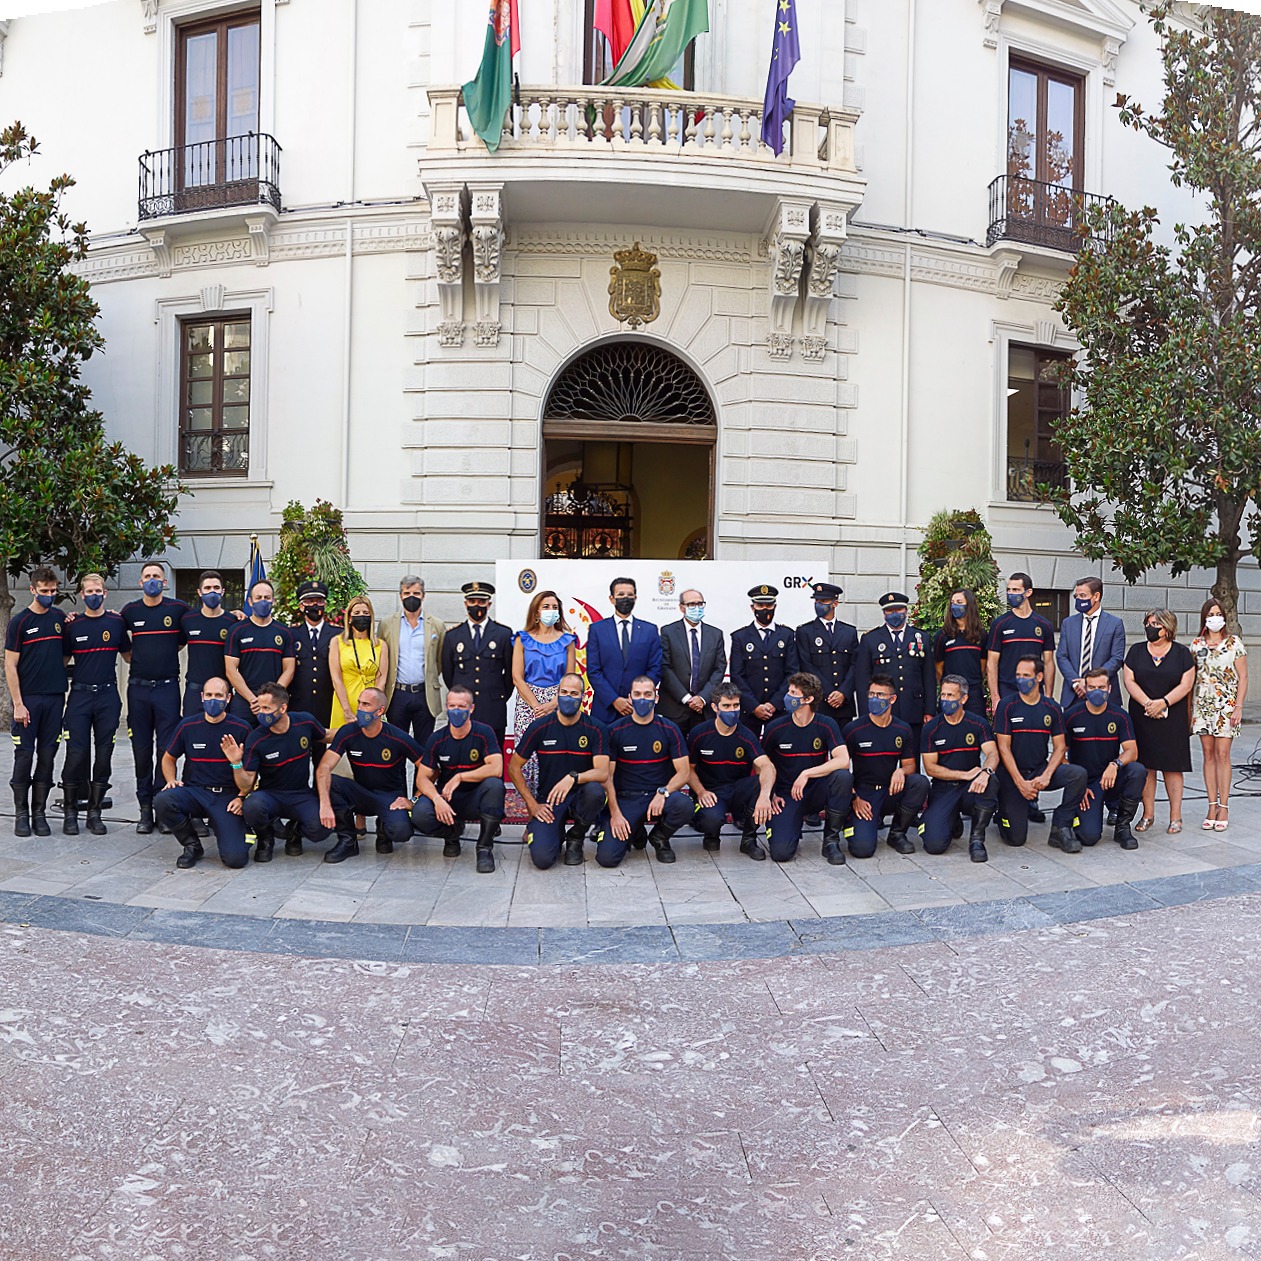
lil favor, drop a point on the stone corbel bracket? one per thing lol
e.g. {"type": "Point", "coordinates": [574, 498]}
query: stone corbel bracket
{"type": "Point", "coordinates": [4, 34]}
{"type": "Point", "coordinates": [486, 232]}
{"type": "Point", "coordinates": [787, 237]}
{"type": "Point", "coordinates": [447, 213]}
{"type": "Point", "coordinates": [827, 238]}
{"type": "Point", "coordinates": [161, 248]}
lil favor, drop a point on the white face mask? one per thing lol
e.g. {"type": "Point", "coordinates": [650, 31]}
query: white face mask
{"type": "Point", "coordinates": [1215, 623]}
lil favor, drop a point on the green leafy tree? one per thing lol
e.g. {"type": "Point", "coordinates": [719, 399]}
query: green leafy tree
{"type": "Point", "coordinates": [1164, 455]}
{"type": "Point", "coordinates": [957, 552]}
{"type": "Point", "coordinates": [313, 545]}
{"type": "Point", "coordinates": [71, 497]}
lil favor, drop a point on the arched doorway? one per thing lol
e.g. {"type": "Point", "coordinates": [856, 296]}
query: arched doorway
{"type": "Point", "coordinates": [628, 456]}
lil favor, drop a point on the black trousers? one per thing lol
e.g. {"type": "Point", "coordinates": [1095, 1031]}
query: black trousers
{"type": "Point", "coordinates": [91, 721]}
{"type": "Point", "coordinates": [36, 741]}
{"type": "Point", "coordinates": [153, 713]}
{"type": "Point", "coordinates": [409, 711]}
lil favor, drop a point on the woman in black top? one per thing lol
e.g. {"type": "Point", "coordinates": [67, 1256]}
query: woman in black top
{"type": "Point", "coordinates": [960, 648]}
{"type": "Point", "coordinates": [1159, 675]}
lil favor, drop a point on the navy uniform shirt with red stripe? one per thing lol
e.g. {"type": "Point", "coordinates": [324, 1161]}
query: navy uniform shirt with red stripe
{"type": "Point", "coordinates": [1094, 740]}
{"type": "Point", "coordinates": [794, 749]}
{"type": "Point", "coordinates": [206, 638]}
{"type": "Point", "coordinates": [644, 753]}
{"type": "Point", "coordinates": [1031, 728]}
{"type": "Point", "coordinates": [1014, 637]}
{"type": "Point", "coordinates": [197, 741]}
{"type": "Point", "coordinates": [94, 643]}
{"type": "Point", "coordinates": [446, 756]}
{"type": "Point", "coordinates": [875, 751]}
{"type": "Point", "coordinates": [37, 639]}
{"type": "Point", "coordinates": [260, 650]}
{"type": "Point", "coordinates": [282, 760]}
{"type": "Point", "coordinates": [962, 657]}
{"type": "Point", "coordinates": [561, 749]}
{"type": "Point", "coordinates": [378, 763]}
{"type": "Point", "coordinates": [157, 635]}
{"type": "Point", "coordinates": [720, 758]}
{"type": "Point", "coordinates": [956, 744]}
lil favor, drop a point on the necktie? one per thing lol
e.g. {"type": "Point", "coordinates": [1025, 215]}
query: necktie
{"type": "Point", "coordinates": [1087, 644]}
{"type": "Point", "coordinates": [477, 639]}
{"type": "Point", "coordinates": [315, 640]}
{"type": "Point", "coordinates": [696, 664]}
{"type": "Point", "coordinates": [625, 641]}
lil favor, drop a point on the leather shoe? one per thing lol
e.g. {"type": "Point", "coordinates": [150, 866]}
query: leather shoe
{"type": "Point", "coordinates": [343, 850]}
{"type": "Point", "coordinates": [451, 847]}
{"type": "Point", "coordinates": [1063, 839]}
{"type": "Point", "coordinates": [188, 858]}
{"type": "Point", "coordinates": [978, 853]}
{"type": "Point", "coordinates": [145, 826]}
{"type": "Point", "coordinates": [664, 853]}
{"type": "Point", "coordinates": [639, 838]}
{"type": "Point", "coordinates": [573, 853]}
{"type": "Point", "coordinates": [753, 849]}
{"type": "Point", "coordinates": [263, 847]}
{"type": "Point", "coordinates": [485, 860]}
{"type": "Point", "coordinates": [293, 846]}
{"type": "Point", "coordinates": [710, 843]}
{"type": "Point", "coordinates": [902, 844]}
{"type": "Point", "coordinates": [384, 844]}
{"type": "Point", "coordinates": [834, 854]}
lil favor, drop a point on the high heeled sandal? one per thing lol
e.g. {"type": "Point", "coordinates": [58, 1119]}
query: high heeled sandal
{"type": "Point", "coordinates": [1210, 823]}
{"type": "Point", "coordinates": [1220, 825]}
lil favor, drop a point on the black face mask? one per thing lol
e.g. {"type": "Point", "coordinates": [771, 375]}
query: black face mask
{"type": "Point", "coordinates": [1152, 633]}
{"type": "Point", "coordinates": [313, 612]}
{"type": "Point", "coordinates": [411, 603]}
{"type": "Point", "coordinates": [625, 605]}
{"type": "Point", "coordinates": [763, 617]}
{"type": "Point", "coordinates": [476, 612]}
{"type": "Point", "coordinates": [361, 621]}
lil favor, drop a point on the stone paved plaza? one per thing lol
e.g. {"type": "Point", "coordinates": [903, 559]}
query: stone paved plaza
{"type": "Point", "coordinates": [1047, 1057]}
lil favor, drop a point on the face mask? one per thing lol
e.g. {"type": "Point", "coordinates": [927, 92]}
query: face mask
{"type": "Point", "coordinates": [457, 717]}
{"type": "Point", "coordinates": [763, 617]}
{"type": "Point", "coordinates": [151, 586]}
{"type": "Point", "coordinates": [212, 599]}
{"type": "Point", "coordinates": [1097, 696]}
{"type": "Point", "coordinates": [360, 621]}
{"type": "Point", "coordinates": [643, 706]}
{"type": "Point", "coordinates": [569, 705]}
{"type": "Point", "coordinates": [265, 720]}
{"type": "Point", "coordinates": [792, 704]}
{"type": "Point", "coordinates": [949, 706]}
{"type": "Point", "coordinates": [262, 608]}
{"type": "Point", "coordinates": [365, 718]}
{"type": "Point", "coordinates": [412, 603]}
{"type": "Point", "coordinates": [1026, 686]}
{"type": "Point", "coordinates": [45, 601]}
{"type": "Point", "coordinates": [878, 705]}
{"type": "Point", "coordinates": [895, 621]}
{"type": "Point", "coordinates": [313, 612]}
{"type": "Point", "coordinates": [625, 605]}
{"type": "Point", "coordinates": [695, 615]}
{"type": "Point", "coordinates": [549, 617]}
{"type": "Point", "coordinates": [821, 610]}
{"type": "Point", "coordinates": [476, 612]}
{"type": "Point", "coordinates": [1082, 606]}
{"type": "Point", "coordinates": [728, 717]}
{"type": "Point", "coordinates": [94, 602]}
{"type": "Point", "coordinates": [958, 610]}
{"type": "Point", "coordinates": [1152, 633]}
{"type": "Point", "coordinates": [1015, 598]}
{"type": "Point", "coordinates": [213, 706]}
{"type": "Point", "coordinates": [1215, 623]}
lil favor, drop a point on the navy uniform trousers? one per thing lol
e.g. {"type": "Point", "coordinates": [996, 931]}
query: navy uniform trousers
{"type": "Point", "coordinates": [35, 744]}
{"type": "Point", "coordinates": [582, 805]}
{"type": "Point", "coordinates": [862, 834]}
{"type": "Point", "coordinates": [264, 806]}
{"type": "Point", "coordinates": [826, 792]}
{"type": "Point", "coordinates": [153, 713]}
{"type": "Point", "coordinates": [1015, 808]}
{"type": "Point", "coordinates": [484, 800]}
{"type": "Point", "coordinates": [736, 799]}
{"type": "Point", "coordinates": [947, 800]}
{"type": "Point", "coordinates": [92, 717]}
{"type": "Point", "coordinates": [177, 807]}
{"type": "Point", "coordinates": [676, 811]}
{"type": "Point", "coordinates": [394, 825]}
{"type": "Point", "coordinates": [1128, 787]}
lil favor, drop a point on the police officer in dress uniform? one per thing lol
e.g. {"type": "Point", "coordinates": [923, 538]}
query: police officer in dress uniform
{"type": "Point", "coordinates": [477, 655]}
{"type": "Point", "coordinates": [93, 642]}
{"type": "Point", "coordinates": [763, 656]}
{"type": "Point", "coordinates": [311, 688]}
{"type": "Point", "coordinates": [828, 648]}
{"type": "Point", "coordinates": [905, 654]}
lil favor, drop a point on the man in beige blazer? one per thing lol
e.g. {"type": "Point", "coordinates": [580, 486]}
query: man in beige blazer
{"type": "Point", "coordinates": [413, 684]}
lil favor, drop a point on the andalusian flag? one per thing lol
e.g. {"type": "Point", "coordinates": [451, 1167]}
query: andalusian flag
{"type": "Point", "coordinates": [489, 95]}
{"type": "Point", "coordinates": [663, 34]}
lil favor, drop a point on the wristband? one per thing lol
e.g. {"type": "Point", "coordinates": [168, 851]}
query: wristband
{"type": "Point", "coordinates": [236, 766]}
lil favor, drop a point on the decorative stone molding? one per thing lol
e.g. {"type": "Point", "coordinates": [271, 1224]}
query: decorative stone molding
{"type": "Point", "coordinates": [486, 233]}
{"type": "Point", "coordinates": [259, 228]}
{"type": "Point", "coordinates": [161, 248]}
{"type": "Point", "coordinates": [779, 345]}
{"type": "Point", "coordinates": [451, 333]}
{"type": "Point", "coordinates": [1007, 264]}
{"type": "Point", "coordinates": [1103, 20]}
{"type": "Point", "coordinates": [827, 239]}
{"type": "Point", "coordinates": [448, 248]}
{"type": "Point", "coordinates": [790, 230]}
{"type": "Point", "coordinates": [992, 12]}
{"type": "Point", "coordinates": [594, 242]}
{"type": "Point", "coordinates": [814, 349]}
{"type": "Point", "coordinates": [149, 9]}
{"type": "Point", "coordinates": [1111, 52]}
{"type": "Point", "coordinates": [4, 34]}
{"type": "Point", "coordinates": [212, 297]}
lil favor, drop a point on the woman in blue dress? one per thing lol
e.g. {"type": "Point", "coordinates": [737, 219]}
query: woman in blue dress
{"type": "Point", "coordinates": [541, 653]}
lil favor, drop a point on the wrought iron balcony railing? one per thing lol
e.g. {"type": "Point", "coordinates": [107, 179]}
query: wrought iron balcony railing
{"type": "Point", "coordinates": [211, 175]}
{"type": "Point", "coordinates": [220, 453]}
{"type": "Point", "coordinates": [1025, 476]}
{"type": "Point", "coordinates": [1037, 213]}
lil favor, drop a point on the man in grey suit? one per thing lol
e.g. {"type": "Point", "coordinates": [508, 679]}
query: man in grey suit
{"type": "Point", "coordinates": [413, 681]}
{"type": "Point", "coordinates": [693, 663]}
{"type": "Point", "coordinates": [1090, 639]}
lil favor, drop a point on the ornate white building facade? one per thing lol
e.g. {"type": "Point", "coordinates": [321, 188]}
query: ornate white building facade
{"type": "Point", "coordinates": [323, 286]}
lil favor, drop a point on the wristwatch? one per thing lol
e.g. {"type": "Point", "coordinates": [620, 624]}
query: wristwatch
{"type": "Point", "coordinates": [662, 792]}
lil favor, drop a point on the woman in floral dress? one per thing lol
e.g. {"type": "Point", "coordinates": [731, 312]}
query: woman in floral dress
{"type": "Point", "coordinates": [1221, 684]}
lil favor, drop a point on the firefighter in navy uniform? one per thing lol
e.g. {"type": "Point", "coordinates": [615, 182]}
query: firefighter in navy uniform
{"type": "Point", "coordinates": [477, 655]}
{"type": "Point", "coordinates": [828, 648]}
{"type": "Point", "coordinates": [311, 687]}
{"type": "Point", "coordinates": [763, 656]}
{"type": "Point", "coordinates": [206, 632]}
{"type": "Point", "coordinates": [905, 654]}
{"type": "Point", "coordinates": [93, 642]}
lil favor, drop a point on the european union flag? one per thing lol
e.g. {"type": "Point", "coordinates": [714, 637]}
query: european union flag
{"type": "Point", "coordinates": [785, 54]}
{"type": "Point", "coordinates": [258, 572]}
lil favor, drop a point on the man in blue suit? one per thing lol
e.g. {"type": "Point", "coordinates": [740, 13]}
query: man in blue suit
{"type": "Point", "coordinates": [619, 649]}
{"type": "Point", "coordinates": [1090, 639]}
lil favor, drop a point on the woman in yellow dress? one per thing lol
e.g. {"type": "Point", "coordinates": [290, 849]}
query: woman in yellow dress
{"type": "Point", "coordinates": [356, 659]}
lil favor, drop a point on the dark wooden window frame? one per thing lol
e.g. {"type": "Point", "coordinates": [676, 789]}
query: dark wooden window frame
{"type": "Point", "coordinates": [218, 323]}
{"type": "Point", "coordinates": [1045, 72]}
{"type": "Point", "coordinates": [591, 68]}
{"type": "Point", "coordinates": [220, 24]}
{"type": "Point", "coordinates": [1023, 472]}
